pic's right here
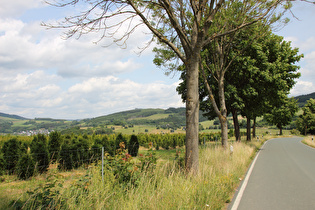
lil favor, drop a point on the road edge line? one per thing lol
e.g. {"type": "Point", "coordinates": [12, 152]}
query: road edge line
{"type": "Point", "coordinates": [240, 193]}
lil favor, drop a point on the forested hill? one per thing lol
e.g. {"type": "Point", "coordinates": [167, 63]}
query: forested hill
{"type": "Point", "coordinates": [303, 98]}
{"type": "Point", "coordinates": [174, 116]}
{"type": "Point", "coordinates": [12, 116]}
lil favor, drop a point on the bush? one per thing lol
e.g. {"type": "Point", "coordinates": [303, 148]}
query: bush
{"type": "Point", "coordinates": [39, 152]}
{"type": "Point", "coordinates": [11, 152]}
{"type": "Point", "coordinates": [133, 146]}
{"type": "Point", "coordinates": [66, 155]}
{"type": "Point", "coordinates": [80, 152]}
{"type": "Point", "coordinates": [2, 165]}
{"type": "Point", "coordinates": [25, 166]}
{"type": "Point", "coordinates": [109, 145]}
{"type": "Point", "coordinates": [54, 144]}
{"type": "Point", "coordinates": [119, 139]}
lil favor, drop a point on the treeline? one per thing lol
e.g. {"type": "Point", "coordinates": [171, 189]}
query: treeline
{"type": "Point", "coordinates": [26, 156]}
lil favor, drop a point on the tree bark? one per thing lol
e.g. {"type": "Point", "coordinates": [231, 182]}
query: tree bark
{"type": "Point", "coordinates": [236, 125]}
{"type": "Point", "coordinates": [192, 116]}
{"type": "Point", "coordinates": [223, 113]}
{"type": "Point", "coordinates": [254, 128]}
{"type": "Point", "coordinates": [280, 130]}
{"type": "Point", "coordinates": [248, 130]}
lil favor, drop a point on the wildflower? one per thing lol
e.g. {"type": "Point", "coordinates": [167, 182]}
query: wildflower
{"type": "Point", "coordinates": [122, 145]}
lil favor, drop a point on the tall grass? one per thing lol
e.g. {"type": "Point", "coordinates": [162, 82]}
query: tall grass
{"type": "Point", "coordinates": [309, 140]}
{"type": "Point", "coordinates": [168, 188]}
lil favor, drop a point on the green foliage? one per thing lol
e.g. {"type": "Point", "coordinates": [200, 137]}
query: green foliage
{"type": "Point", "coordinates": [304, 98]}
{"type": "Point", "coordinates": [282, 115]}
{"type": "Point", "coordinates": [133, 146]}
{"type": "Point", "coordinates": [66, 161]}
{"type": "Point", "coordinates": [2, 164]}
{"type": "Point", "coordinates": [54, 144]}
{"type": "Point", "coordinates": [119, 139]}
{"type": "Point", "coordinates": [109, 145]}
{"type": "Point", "coordinates": [306, 122]}
{"type": "Point", "coordinates": [80, 152]}
{"type": "Point", "coordinates": [25, 166]}
{"type": "Point", "coordinates": [126, 171]}
{"type": "Point", "coordinates": [11, 152]}
{"type": "Point", "coordinates": [40, 153]}
{"type": "Point", "coordinates": [46, 196]}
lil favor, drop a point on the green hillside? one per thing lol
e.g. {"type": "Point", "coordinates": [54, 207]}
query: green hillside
{"type": "Point", "coordinates": [303, 98]}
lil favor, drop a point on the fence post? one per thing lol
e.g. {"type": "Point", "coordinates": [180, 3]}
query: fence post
{"type": "Point", "coordinates": [102, 164]}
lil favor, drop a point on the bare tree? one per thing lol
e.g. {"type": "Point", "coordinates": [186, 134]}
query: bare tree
{"type": "Point", "coordinates": [181, 25]}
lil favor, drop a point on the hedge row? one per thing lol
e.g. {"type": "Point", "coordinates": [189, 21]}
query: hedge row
{"type": "Point", "coordinates": [24, 157]}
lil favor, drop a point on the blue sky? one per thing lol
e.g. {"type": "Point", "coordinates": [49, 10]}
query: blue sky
{"type": "Point", "coordinates": [43, 75]}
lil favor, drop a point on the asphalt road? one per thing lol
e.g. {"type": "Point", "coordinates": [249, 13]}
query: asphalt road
{"type": "Point", "coordinates": [283, 177]}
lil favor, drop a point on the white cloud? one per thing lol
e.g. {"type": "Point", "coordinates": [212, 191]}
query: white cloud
{"type": "Point", "coordinates": [105, 95]}
{"type": "Point", "coordinates": [27, 46]}
{"type": "Point", "coordinates": [38, 95]}
{"type": "Point", "coordinates": [302, 88]}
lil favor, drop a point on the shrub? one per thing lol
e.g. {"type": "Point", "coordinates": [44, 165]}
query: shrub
{"type": "Point", "coordinates": [25, 166]}
{"type": "Point", "coordinates": [66, 155]}
{"type": "Point", "coordinates": [39, 152]}
{"type": "Point", "coordinates": [11, 152]}
{"type": "Point", "coordinates": [2, 165]}
{"type": "Point", "coordinates": [109, 146]}
{"type": "Point", "coordinates": [118, 140]}
{"type": "Point", "coordinates": [54, 144]}
{"type": "Point", "coordinates": [80, 152]}
{"type": "Point", "coordinates": [133, 146]}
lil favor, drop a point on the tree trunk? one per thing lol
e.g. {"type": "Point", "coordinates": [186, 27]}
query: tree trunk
{"type": "Point", "coordinates": [248, 130]}
{"type": "Point", "coordinates": [192, 117]}
{"type": "Point", "coordinates": [254, 128]}
{"type": "Point", "coordinates": [223, 112]}
{"type": "Point", "coordinates": [280, 127]}
{"type": "Point", "coordinates": [236, 125]}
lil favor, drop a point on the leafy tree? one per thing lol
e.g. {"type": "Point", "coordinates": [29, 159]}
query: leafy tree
{"type": "Point", "coordinates": [306, 121]}
{"type": "Point", "coordinates": [181, 26]}
{"type": "Point", "coordinates": [261, 72]}
{"type": "Point", "coordinates": [40, 153]}
{"type": "Point", "coordinates": [282, 115]}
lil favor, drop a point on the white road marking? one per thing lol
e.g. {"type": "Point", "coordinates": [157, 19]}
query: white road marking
{"type": "Point", "coordinates": [242, 189]}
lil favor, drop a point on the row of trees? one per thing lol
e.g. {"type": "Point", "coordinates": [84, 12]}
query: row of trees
{"type": "Point", "coordinates": [24, 158]}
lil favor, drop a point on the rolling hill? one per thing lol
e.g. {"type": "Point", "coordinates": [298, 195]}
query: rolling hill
{"type": "Point", "coordinates": [163, 118]}
{"type": "Point", "coordinates": [303, 98]}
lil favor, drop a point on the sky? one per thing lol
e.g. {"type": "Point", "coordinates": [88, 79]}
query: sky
{"type": "Point", "coordinates": [44, 75]}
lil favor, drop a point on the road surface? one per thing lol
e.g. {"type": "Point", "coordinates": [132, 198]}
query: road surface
{"type": "Point", "coordinates": [283, 177]}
